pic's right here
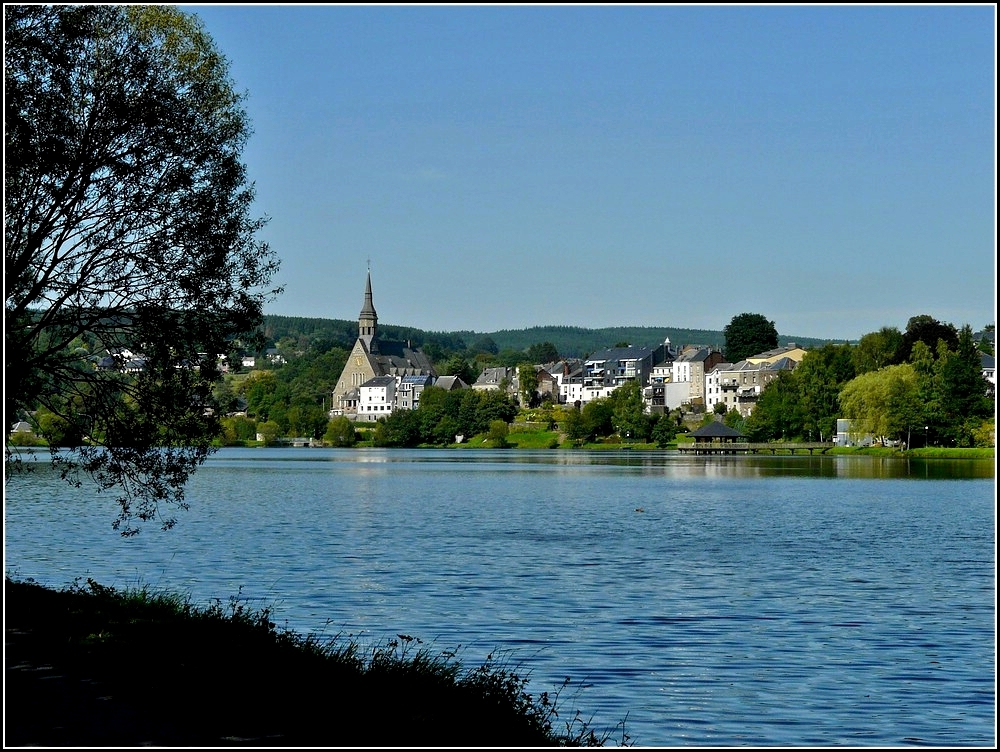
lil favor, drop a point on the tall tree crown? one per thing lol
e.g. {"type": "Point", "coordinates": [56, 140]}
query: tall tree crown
{"type": "Point", "coordinates": [128, 227]}
{"type": "Point", "coordinates": [748, 334]}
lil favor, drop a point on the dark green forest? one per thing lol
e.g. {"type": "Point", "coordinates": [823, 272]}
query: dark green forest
{"type": "Point", "coordinates": [569, 341]}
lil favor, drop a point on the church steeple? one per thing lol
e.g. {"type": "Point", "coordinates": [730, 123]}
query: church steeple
{"type": "Point", "coordinates": [368, 319]}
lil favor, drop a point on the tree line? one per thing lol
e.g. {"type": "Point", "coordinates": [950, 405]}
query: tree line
{"type": "Point", "coordinates": [923, 385]}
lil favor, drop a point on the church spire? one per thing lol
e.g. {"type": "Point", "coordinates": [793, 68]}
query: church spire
{"type": "Point", "coordinates": [368, 319]}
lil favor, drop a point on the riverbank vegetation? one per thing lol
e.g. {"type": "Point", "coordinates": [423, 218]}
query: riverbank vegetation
{"type": "Point", "coordinates": [94, 665]}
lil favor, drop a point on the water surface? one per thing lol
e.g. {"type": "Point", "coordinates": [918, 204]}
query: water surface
{"type": "Point", "coordinates": [713, 601]}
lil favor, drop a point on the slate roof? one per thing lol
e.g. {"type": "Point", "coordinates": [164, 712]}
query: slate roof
{"type": "Point", "coordinates": [397, 356]}
{"type": "Point", "coordinates": [450, 383]}
{"type": "Point", "coordinates": [782, 364]}
{"type": "Point", "coordinates": [377, 381]}
{"type": "Point", "coordinates": [621, 353]}
{"type": "Point", "coordinates": [495, 375]}
{"type": "Point", "coordinates": [716, 430]}
{"type": "Point", "coordinates": [694, 356]}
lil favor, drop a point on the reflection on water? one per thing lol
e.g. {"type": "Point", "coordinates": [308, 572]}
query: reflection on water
{"type": "Point", "coordinates": [737, 601]}
{"type": "Point", "coordinates": [667, 462]}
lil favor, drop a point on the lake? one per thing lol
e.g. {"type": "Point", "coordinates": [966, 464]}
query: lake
{"type": "Point", "coordinates": [740, 600]}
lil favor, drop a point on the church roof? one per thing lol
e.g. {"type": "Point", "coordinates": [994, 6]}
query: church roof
{"type": "Point", "coordinates": [368, 308]}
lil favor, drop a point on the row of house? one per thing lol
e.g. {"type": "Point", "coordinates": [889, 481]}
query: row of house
{"type": "Point", "coordinates": [381, 376]}
{"type": "Point", "coordinates": [695, 376]}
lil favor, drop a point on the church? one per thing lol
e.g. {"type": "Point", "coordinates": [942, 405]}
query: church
{"type": "Point", "coordinates": [373, 357]}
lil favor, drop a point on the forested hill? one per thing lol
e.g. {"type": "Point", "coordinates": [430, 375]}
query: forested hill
{"type": "Point", "coordinates": [570, 341]}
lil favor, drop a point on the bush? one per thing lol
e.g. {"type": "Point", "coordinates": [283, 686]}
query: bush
{"type": "Point", "coordinates": [497, 435]}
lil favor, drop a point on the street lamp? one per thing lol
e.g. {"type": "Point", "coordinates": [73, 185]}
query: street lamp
{"type": "Point", "coordinates": [925, 436]}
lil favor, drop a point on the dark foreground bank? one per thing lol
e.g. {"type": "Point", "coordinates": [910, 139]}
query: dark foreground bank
{"type": "Point", "coordinates": [93, 666]}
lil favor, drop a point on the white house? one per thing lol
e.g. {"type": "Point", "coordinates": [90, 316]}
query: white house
{"type": "Point", "coordinates": [376, 398]}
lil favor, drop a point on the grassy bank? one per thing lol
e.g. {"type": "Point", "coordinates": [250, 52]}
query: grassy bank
{"type": "Point", "coordinates": [96, 666]}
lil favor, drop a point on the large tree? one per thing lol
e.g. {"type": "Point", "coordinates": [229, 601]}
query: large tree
{"type": "Point", "coordinates": [966, 398]}
{"type": "Point", "coordinates": [885, 403]}
{"type": "Point", "coordinates": [778, 414]}
{"type": "Point", "coordinates": [878, 349]}
{"type": "Point", "coordinates": [821, 375]}
{"type": "Point", "coordinates": [749, 334]}
{"type": "Point", "coordinates": [930, 331]}
{"type": "Point", "coordinates": [128, 228]}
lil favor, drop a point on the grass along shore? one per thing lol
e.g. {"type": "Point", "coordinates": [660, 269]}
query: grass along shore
{"type": "Point", "coordinates": [96, 666]}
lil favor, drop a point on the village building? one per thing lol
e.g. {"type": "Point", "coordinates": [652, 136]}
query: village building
{"type": "Point", "coordinates": [373, 357]}
{"type": "Point", "coordinates": [739, 385]}
{"type": "Point", "coordinates": [690, 367]}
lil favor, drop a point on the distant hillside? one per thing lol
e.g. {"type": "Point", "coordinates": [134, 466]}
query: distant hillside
{"type": "Point", "coordinates": [570, 341]}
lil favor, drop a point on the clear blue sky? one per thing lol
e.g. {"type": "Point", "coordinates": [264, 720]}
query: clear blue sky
{"type": "Point", "coordinates": [830, 167]}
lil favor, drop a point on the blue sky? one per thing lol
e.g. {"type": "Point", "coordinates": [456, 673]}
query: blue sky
{"type": "Point", "coordinates": [830, 167]}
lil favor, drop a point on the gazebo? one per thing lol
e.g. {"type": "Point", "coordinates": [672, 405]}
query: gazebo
{"type": "Point", "coordinates": [715, 437]}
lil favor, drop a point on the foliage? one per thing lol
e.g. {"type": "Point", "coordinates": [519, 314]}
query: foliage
{"type": "Point", "coordinates": [629, 417]}
{"type": "Point", "coordinates": [202, 654]}
{"type": "Point", "coordinates": [964, 400]}
{"type": "Point", "coordinates": [939, 391]}
{"type": "Point", "coordinates": [574, 426]}
{"type": "Point", "coordinates": [268, 432]}
{"type": "Point", "coordinates": [497, 434]}
{"type": "Point", "coordinates": [127, 227]}
{"type": "Point", "coordinates": [664, 431]}
{"type": "Point", "coordinates": [778, 413]}
{"type": "Point", "coordinates": [987, 339]}
{"type": "Point", "coordinates": [748, 334]}
{"type": "Point", "coordinates": [985, 435]}
{"type": "Point", "coordinates": [456, 365]}
{"type": "Point", "coordinates": [878, 349]}
{"type": "Point", "coordinates": [734, 419]}
{"type": "Point", "coordinates": [820, 377]}
{"type": "Point", "coordinates": [527, 383]}
{"type": "Point", "coordinates": [442, 415]}
{"type": "Point", "coordinates": [237, 430]}
{"type": "Point", "coordinates": [598, 417]}
{"type": "Point", "coordinates": [928, 330]}
{"type": "Point", "coordinates": [543, 352]}
{"type": "Point", "coordinates": [883, 403]}
{"type": "Point", "coordinates": [340, 432]}
{"type": "Point", "coordinates": [399, 429]}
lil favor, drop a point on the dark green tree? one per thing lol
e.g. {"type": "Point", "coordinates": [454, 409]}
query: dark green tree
{"type": "Point", "coordinates": [127, 223]}
{"type": "Point", "coordinates": [527, 385]}
{"type": "Point", "coordinates": [574, 426]}
{"type": "Point", "coordinates": [628, 412]}
{"type": "Point", "coordinates": [778, 412]}
{"type": "Point", "coordinates": [878, 349]}
{"type": "Point", "coordinates": [340, 432]}
{"type": "Point", "coordinates": [485, 344]}
{"type": "Point", "coordinates": [543, 352]}
{"type": "Point", "coordinates": [598, 417]}
{"type": "Point", "coordinates": [748, 334]}
{"type": "Point", "coordinates": [820, 377]}
{"type": "Point", "coordinates": [456, 365]}
{"type": "Point", "coordinates": [987, 338]}
{"type": "Point", "coordinates": [964, 397]}
{"type": "Point", "coordinates": [664, 431]}
{"type": "Point", "coordinates": [400, 429]}
{"type": "Point", "coordinates": [930, 331]}
{"type": "Point", "coordinates": [493, 405]}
